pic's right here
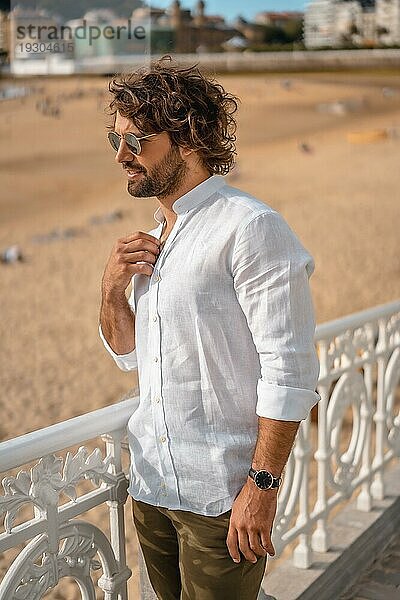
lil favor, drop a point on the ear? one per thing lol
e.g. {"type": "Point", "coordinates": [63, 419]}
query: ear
{"type": "Point", "coordinates": [185, 152]}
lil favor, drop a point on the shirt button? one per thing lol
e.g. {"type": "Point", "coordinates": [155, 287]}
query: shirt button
{"type": "Point", "coordinates": [155, 318]}
{"type": "Point", "coordinates": [156, 359]}
{"type": "Point", "coordinates": [163, 439]}
{"type": "Point", "coordinates": [157, 399]}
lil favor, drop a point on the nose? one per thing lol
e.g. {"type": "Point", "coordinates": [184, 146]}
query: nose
{"type": "Point", "coordinates": [124, 154]}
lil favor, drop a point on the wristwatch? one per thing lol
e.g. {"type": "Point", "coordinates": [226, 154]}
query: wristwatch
{"type": "Point", "coordinates": [264, 480]}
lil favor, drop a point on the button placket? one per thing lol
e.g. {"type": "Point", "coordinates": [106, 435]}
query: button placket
{"type": "Point", "coordinates": [154, 339]}
{"type": "Point", "coordinates": [155, 375]}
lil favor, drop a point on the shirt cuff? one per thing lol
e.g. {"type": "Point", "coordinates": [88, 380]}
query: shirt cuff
{"type": "Point", "coordinates": [126, 362]}
{"type": "Point", "coordinates": [284, 403]}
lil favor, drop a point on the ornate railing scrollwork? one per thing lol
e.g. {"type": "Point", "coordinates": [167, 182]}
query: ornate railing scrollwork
{"type": "Point", "coordinates": [48, 479]}
{"type": "Point", "coordinates": [80, 543]}
{"type": "Point", "coordinates": [349, 392]}
{"type": "Point", "coordinates": [58, 545]}
{"type": "Point", "coordinates": [392, 382]}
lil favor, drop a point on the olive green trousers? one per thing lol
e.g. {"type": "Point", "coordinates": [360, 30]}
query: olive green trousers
{"type": "Point", "coordinates": [187, 557]}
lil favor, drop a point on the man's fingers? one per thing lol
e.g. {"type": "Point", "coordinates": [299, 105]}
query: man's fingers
{"type": "Point", "coordinates": [244, 546]}
{"type": "Point", "coordinates": [139, 235]}
{"type": "Point", "coordinates": [140, 246]}
{"type": "Point", "coordinates": [267, 544]}
{"type": "Point", "coordinates": [232, 543]}
{"type": "Point", "coordinates": [134, 257]}
{"type": "Point", "coordinates": [144, 269]}
{"type": "Point", "coordinates": [256, 544]}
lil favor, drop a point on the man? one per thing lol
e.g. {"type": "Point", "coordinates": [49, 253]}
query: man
{"type": "Point", "coordinates": [220, 326]}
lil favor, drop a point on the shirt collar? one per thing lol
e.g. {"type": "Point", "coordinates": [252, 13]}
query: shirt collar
{"type": "Point", "coordinates": [194, 197]}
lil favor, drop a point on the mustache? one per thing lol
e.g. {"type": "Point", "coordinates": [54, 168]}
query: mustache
{"type": "Point", "coordinates": [132, 167]}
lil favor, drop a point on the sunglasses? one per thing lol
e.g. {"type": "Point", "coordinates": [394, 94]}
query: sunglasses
{"type": "Point", "coordinates": [132, 141]}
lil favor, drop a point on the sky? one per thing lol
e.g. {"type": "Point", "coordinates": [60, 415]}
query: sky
{"type": "Point", "coordinates": [231, 8]}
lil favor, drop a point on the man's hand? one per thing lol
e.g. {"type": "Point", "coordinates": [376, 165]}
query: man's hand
{"type": "Point", "coordinates": [138, 247]}
{"type": "Point", "coordinates": [251, 522]}
{"type": "Point", "coordinates": [135, 253]}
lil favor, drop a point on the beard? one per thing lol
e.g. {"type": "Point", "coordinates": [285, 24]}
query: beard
{"type": "Point", "coordinates": [163, 179]}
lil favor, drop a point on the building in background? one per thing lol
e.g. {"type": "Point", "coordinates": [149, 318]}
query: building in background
{"type": "Point", "coordinates": [369, 30]}
{"type": "Point", "coordinates": [337, 23]}
{"type": "Point", "coordinates": [116, 43]}
{"type": "Point", "coordinates": [388, 21]}
{"type": "Point", "coordinates": [180, 30]}
{"type": "Point", "coordinates": [356, 22]}
{"type": "Point", "coordinates": [320, 24]}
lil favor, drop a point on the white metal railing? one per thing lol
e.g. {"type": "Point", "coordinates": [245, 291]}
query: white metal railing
{"type": "Point", "coordinates": [54, 524]}
{"type": "Point", "coordinates": [360, 371]}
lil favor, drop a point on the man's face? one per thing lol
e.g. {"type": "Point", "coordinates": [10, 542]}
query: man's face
{"type": "Point", "coordinates": [158, 170]}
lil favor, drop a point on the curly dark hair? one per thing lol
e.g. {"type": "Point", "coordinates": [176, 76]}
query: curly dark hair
{"type": "Point", "coordinates": [194, 109]}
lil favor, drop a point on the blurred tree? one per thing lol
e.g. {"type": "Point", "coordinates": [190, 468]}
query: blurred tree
{"type": "Point", "coordinates": [294, 30]}
{"type": "Point", "coordinates": [289, 33]}
{"type": "Point", "coordinates": [274, 35]}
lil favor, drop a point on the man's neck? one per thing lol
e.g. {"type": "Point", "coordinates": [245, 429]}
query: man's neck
{"type": "Point", "coordinates": [166, 202]}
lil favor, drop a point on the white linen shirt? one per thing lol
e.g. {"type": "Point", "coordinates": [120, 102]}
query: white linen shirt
{"type": "Point", "coordinates": [224, 333]}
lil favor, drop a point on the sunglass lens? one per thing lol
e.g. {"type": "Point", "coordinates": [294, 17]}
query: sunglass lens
{"type": "Point", "coordinates": [114, 140]}
{"type": "Point", "coordinates": [133, 143]}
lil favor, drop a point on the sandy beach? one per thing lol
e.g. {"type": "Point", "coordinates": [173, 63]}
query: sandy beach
{"type": "Point", "coordinates": [64, 202]}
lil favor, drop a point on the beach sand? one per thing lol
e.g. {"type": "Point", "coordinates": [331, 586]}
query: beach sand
{"type": "Point", "coordinates": [342, 200]}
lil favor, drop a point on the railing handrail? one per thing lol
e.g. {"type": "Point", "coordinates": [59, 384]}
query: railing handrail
{"type": "Point", "coordinates": [326, 330]}
{"type": "Point", "coordinates": [13, 453]}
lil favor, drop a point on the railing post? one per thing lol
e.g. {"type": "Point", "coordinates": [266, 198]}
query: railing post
{"type": "Point", "coordinates": [320, 537]}
{"type": "Point", "coordinates": [377, 487]}
{"type": "Point", "coordinates": [302, 554]}
{"type": "Point", "coordinates": [364, 499]}
{"type": "Point", "coordinates": [116, 507]}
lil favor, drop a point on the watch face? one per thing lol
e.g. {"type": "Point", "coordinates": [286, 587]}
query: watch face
{"type": "Point", "coordinates": [264, 480]}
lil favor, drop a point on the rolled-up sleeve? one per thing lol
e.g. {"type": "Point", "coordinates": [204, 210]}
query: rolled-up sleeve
{"type": "Point", "coordinates": [271, 271]}
{"type": "Point", "coordinates": [126, 362]}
